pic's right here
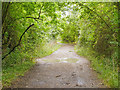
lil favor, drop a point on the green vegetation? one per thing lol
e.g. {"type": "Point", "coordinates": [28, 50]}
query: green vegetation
{"type": "Point", "coordinates": [47, 49]}
{"type": "Point", "coordinates": [11, 73]}
{"type": "Point", "coordinates": [25, 37]}
{"type": "Point", "coordinates": [105, 67]}
{"type": "Point", "coordinates": [18, 65]}
{"type": "Point", "coordinates": [31, 30]}
{"type": "Point", "coordinates": [98, 40]}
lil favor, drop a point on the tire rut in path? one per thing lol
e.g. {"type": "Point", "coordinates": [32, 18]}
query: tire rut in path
{"type": "Point", "coordinates": [62, 69]}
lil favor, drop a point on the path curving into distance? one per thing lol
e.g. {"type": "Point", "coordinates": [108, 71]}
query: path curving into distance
{"type": "Point", "coordinates": [62, 69]}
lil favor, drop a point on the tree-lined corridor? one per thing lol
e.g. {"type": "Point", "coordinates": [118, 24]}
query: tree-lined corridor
{"type": "Point", "coordinates": [33, 31]}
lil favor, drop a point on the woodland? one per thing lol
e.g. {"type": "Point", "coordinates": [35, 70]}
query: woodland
{"type": "Point", "coordinates": [29, 28]}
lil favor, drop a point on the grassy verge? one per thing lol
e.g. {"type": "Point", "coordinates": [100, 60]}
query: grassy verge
{"type": "Point", "coordinates": [47, 49]}
{"type": "Point", "coordinates": [105, 67]}
{"type": "Point", "coordinates": [18, 68]}
{"type": "Point", "coordinates": [12, 73]}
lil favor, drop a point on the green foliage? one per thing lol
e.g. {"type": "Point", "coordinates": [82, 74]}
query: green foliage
{"type": "Point", "coordinates": [98, 39]}
{"type": "Point", "coordinates": [93, 28]}
{"type": "Point", "coordinates": [69, 34]}
{"type": "Point", "coordinates": [18, 63]}
{"type": "Point", "coordinates": [47, 49]}
{"type": "Point", "coordinates": [106, 68]}
{"type": "Point", "coordinates": [13, 72]}
{"type": "Point", "coordinates": [93, 25]}
{"type": "Point", "coordinates": [37, 42]}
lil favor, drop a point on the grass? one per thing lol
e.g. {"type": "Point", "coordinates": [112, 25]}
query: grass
{"type": "Point", "coordinates": [47, 49]}
{"type": "Point", "coordinates": [16, 69]}
{"type": "Point", "coordinates": [14, 72]}
{"type": "Point", "coordinates": [105, 68]}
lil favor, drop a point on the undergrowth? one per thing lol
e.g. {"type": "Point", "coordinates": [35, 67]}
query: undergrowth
{"type": "Point", "coordinates": [19, 62]}
{"type": "Point", "coordinates": [11, 73]}
{"type": "Point", "coordinates": [105, 67]}
{"type": "Point", "coordinates": [47, 49]}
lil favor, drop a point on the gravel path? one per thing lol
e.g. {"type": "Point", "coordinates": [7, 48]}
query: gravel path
{"type": "Point", "coordinates": [62, 69]}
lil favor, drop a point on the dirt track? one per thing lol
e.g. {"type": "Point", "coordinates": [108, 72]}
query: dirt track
{"type": "Point", "coordinates": [62, 69]}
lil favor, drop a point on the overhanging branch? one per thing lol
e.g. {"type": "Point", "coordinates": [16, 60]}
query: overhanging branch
{"type": "Point", "coordinates": [30, 17]}
{"type": "Point", "coordinates": [23, 32]}
{"type": "Point", "coordinates": [18, 42]}
{"type": "Point", "coordinates": [40, 11]}
{"type": "Point", "coordinates": [96, 14]}
{"type": "Point", "coordinates": [34, 17]}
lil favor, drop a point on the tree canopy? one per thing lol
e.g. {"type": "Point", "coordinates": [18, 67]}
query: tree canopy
{"type": "Point", "coordinates": [27, 25]}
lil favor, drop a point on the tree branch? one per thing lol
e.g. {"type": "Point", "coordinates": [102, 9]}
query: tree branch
{"type": "Point", "coordinates": [18, 42]}
{"type": "Point", "coordinates": [23, 33]}
{"type": "Point", "coordinates": [96, 14]}
{"type": "Point", "coordinates": [29, 17]}
{"type": "Point", "coordinates": [40, 11]}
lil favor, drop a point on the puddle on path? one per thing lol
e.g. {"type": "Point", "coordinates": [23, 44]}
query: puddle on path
{"type": "Point", "coordinates": [62, 69]}
{"type": "Point", "coordinates": [65, 60]}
